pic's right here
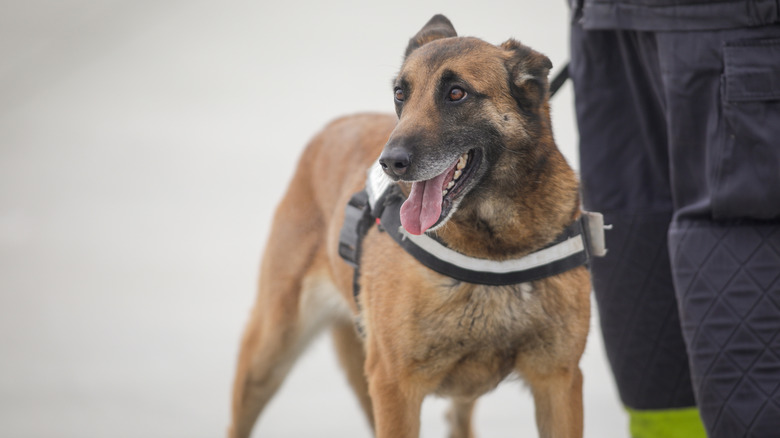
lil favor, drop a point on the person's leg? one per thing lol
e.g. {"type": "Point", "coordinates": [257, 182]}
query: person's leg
{"type": "Point", "coordinates": [624, 173]}
{"type": "Point", "coordinates": [723, 102]}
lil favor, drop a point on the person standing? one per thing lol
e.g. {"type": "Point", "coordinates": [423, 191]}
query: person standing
{"type": "Point", "coordinates": [678, 110]}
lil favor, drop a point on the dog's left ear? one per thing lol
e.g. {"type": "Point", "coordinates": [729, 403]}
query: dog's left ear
{"type": "Point", "coordinates": [437, 27]}
{"type": "Point", "coordinates": [528, 71]}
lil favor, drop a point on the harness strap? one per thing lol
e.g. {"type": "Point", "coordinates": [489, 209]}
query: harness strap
{"type": "Point", "coordinates": [575, 246]}
{"type": "Point", "coordinates": [559, 79]}
{"type": "Point", "coordinates": [570, 249]}
{"type": "Point", "coordinates": [357, 221]}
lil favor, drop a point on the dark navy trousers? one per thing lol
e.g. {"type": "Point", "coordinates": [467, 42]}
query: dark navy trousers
{"type": "Point", "coordinates": [680, 149]}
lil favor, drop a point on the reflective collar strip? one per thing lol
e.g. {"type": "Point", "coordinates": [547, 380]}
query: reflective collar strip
{"type": "Point", "coordinates": [551, 254]}
{"type": "Point", "coordinates": [570, 250]}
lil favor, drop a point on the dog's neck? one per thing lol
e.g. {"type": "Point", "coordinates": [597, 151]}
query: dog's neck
{"type": "Point", "coordinates": [525, 209]}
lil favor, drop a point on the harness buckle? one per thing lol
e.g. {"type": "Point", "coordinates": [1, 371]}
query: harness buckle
{"type": "Point", "coordinates": [357, 219]}
{"type": "Point", "coordinates": [594, 233]}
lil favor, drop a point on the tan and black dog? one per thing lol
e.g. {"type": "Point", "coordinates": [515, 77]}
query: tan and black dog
{"type": "Point", "coordinates": [472, 149]}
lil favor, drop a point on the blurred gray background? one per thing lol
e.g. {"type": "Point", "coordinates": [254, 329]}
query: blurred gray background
{"type": "Point", "coordinates": [143, 147]}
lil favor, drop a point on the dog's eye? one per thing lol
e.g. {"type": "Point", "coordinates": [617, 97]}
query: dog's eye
{"type": "Point", "coordinates": [456, 94]}
{"type": "Point", "coordinates": [399, 95]}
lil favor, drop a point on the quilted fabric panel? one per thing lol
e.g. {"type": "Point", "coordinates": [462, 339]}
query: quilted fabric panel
{"type": "Point", "coordinates": [638, 314]}
{"type": "Point", "coordinates": [728, 285]}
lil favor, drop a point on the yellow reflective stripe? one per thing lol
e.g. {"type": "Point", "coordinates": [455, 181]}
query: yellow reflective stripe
{"type": "Point", "coordinates": [666, 423]}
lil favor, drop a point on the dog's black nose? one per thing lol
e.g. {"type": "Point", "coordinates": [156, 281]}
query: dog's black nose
{"type": "Point", "coordinates": [395, 162]}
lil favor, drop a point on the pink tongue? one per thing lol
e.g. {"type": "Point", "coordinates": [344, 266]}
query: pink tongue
{"type": "Point", "coordinates": [423, 207]}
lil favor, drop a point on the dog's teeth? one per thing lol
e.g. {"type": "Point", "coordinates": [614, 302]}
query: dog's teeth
{"type": "Point", "coordinates": [462, 161]}
{"type": "Point", "coordinates": [450, 185]}
{"type": "Point", "coordinates": [444, 192]}
{"type": "Point", "coordinates": [457, 175]}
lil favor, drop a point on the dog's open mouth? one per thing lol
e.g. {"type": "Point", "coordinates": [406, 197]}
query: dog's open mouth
{"type": "Point", "coordinates": [430, 201]}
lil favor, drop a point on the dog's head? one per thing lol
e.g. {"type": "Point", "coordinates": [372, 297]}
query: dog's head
{"type": "Point", "coordinates": [463, 105]}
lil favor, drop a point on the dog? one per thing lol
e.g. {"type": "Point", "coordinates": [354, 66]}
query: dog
{"type": "Point", "coordinates": [471, 151]}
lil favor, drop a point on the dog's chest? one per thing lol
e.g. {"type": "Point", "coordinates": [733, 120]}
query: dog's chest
{"type": "Point", "coordinates": [487, 314]}
{"type": "Point", "coordinates": [476, 333]}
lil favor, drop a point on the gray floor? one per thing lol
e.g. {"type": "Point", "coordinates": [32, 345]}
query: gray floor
{"type": "Point", "coordinates": [143, 145]}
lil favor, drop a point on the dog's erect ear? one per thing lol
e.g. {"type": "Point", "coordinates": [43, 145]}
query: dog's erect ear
{"type": "Point", "coordinates": [528, 71]}
{"type": "Point", "coordinates": [437, 27]}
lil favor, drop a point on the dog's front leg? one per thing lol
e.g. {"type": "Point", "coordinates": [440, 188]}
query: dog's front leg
{"type": "Point", "coordinates": [459, 417]}
{"type": "Point", "coordinates": [558, 399]}
{"type": "Point", "coordinates": [396, 403]}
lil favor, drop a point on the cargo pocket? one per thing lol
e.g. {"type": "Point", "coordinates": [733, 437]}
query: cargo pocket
{"type": "Point", "coordinates": [746, 178]}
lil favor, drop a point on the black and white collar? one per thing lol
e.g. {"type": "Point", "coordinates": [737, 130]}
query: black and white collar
{"type": "Point", "coordinates": [382, 200]}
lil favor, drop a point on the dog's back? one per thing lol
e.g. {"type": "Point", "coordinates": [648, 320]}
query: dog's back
{"type": "Point", "coordinates": [304, 285]}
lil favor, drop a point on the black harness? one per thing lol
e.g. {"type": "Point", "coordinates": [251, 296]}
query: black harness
{"type": "Point", "coordinates": [380, 203]}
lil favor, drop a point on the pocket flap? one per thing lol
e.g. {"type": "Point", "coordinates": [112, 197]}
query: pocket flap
{"type": "Point", "coordinates": [752, 70]}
